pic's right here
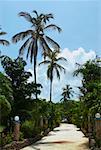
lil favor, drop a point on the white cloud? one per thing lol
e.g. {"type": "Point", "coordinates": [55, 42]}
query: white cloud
{"type": "Point", "coordinates": [76, 56]}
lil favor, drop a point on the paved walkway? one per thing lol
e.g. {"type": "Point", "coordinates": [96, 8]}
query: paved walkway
{"type": "Point", "coordinates": [65, 137]}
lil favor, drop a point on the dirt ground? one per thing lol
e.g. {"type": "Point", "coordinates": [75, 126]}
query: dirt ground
{"type": "Point", "coordinates": [65, 137]}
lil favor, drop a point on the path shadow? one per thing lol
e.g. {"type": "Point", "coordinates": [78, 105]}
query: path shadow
{"type": "Point", "coordinates": [54, 142]}
{"type": "Point", "coordinates": [56, 130]}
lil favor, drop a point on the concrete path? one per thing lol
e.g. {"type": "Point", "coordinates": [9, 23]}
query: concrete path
{"type": "Point", "coordinates": [65, 137]}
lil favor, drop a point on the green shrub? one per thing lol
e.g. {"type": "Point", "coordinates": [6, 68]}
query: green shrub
{"type": "Point", "coordinates": [29, 130]}
{"type": "Point", "coordinates": [9, 138]}
{"type": "Point", "coordinates": [5, 109]}
{"type": "Point", "coordinates": [21, 136]}
{"type": "Point", "coordinates": [6, 139]}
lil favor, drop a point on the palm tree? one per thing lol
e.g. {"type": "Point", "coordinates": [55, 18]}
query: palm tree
{"type": "Point", "coordinates": [36, 36]}
{"type": "Point", "coordinates": [67, 93]}
{"type": "Point", "coordinates": [53, 66]}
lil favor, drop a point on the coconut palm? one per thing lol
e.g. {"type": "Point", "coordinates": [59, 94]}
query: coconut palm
{"type": "Point", "coordinates": [52, 60]}
{"type": "Point", "coordinates": [67, 93]}
{"type": "Point", "coordinates": [36, 37]}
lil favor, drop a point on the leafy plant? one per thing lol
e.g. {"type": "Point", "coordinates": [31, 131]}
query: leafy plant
{"type": "Point", "coordinates": [28, 128]}
{"type": "Point", "coordinates": [5, 109]}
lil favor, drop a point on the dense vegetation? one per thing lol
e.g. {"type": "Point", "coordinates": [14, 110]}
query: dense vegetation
{"type": "Point", "coordinates": [90, 99]}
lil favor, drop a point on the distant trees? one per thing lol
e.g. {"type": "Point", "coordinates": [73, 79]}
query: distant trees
{"type": "Point", "coordinates": [36, 36]}
{"type": "Point", "coordinates": [67, 93]}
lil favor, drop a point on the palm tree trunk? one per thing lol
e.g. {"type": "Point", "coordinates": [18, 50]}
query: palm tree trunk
{"type": "Point", "coordinates": [35, 74]}
{"type": "Point", "coordinates": [51, 121]}
{"type": "Point", "coordinates": [51, 90]}
{"type": "Point", "coordinates": [35, 63]}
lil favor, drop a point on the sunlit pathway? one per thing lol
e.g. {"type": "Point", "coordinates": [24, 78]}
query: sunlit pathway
{"type": "Point", "coordinates": [65, 137]}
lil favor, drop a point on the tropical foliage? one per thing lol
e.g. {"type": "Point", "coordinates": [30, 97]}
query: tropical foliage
{"type": "Point", "coordinates": [6, 87]}
{"type": "Point", "coordinates": [91, 88]}
{"type": "Point", "coordinates": [5, 109]}
{"type": "Point", "coordinates": [22, 90]}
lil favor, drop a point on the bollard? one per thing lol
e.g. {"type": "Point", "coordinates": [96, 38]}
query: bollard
{"type": "Point", "coordinates": [16, 133]}
{"type": "Point", "coordinates": [98, 126]}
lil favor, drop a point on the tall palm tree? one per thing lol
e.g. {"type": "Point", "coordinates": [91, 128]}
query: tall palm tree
{"type": "Point", "coordinates": [52, 60]}
{"type": "Point", "coordinates": [67, 93]}
{"type": "Point", "coordinates": [36, 36]}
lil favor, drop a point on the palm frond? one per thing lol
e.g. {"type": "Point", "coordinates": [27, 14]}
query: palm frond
{"type": "Point", "coordinates": [76, 72]}
{"type": "Point", "coordinates": [34, 11]}
{"type": "Point", "coordinates": [44, 52]}
{"type": "Point", "coordinates": [62, 99]}
{"type": "Point", "coordinates": [22, 36]}
{"type": "Point", "coordinates": [29, 49]}
{"type": "Point", "coordinates": [61, 68]}
{"type": "Point", "coordinates": [54, 27]}
{"type": "Point", "coordinates": [23, 47]}
{"type": "Point", "coordinates": [47, 17]}
{"type": "Point", "coordinates": [26, 15]}
{"type": "Point", "coordinates": [3, 33]}
{"type": "Point", "coordinates": [57, 72]}
{"type": "Point", "coordinates": [61, 58]}
{"type": "Point", "coordinates": [53, 43]}
{"type": "Point", "coordinates": [45, 45]}
{"type": "Point", "coordinates": [4, 42]}
{"type": "Point", "coordinates": [44, 62]}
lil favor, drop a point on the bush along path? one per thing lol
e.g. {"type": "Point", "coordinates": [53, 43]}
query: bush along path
{"type": "Point", "coordinates": [65, 137]}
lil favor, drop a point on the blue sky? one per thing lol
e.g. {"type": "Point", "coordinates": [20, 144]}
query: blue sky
{"type": "Point", "coordinates": [80, 21]}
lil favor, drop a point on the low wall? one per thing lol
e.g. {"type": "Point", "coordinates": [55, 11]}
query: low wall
{"type": "Point", "coordinates": [17, 145]}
